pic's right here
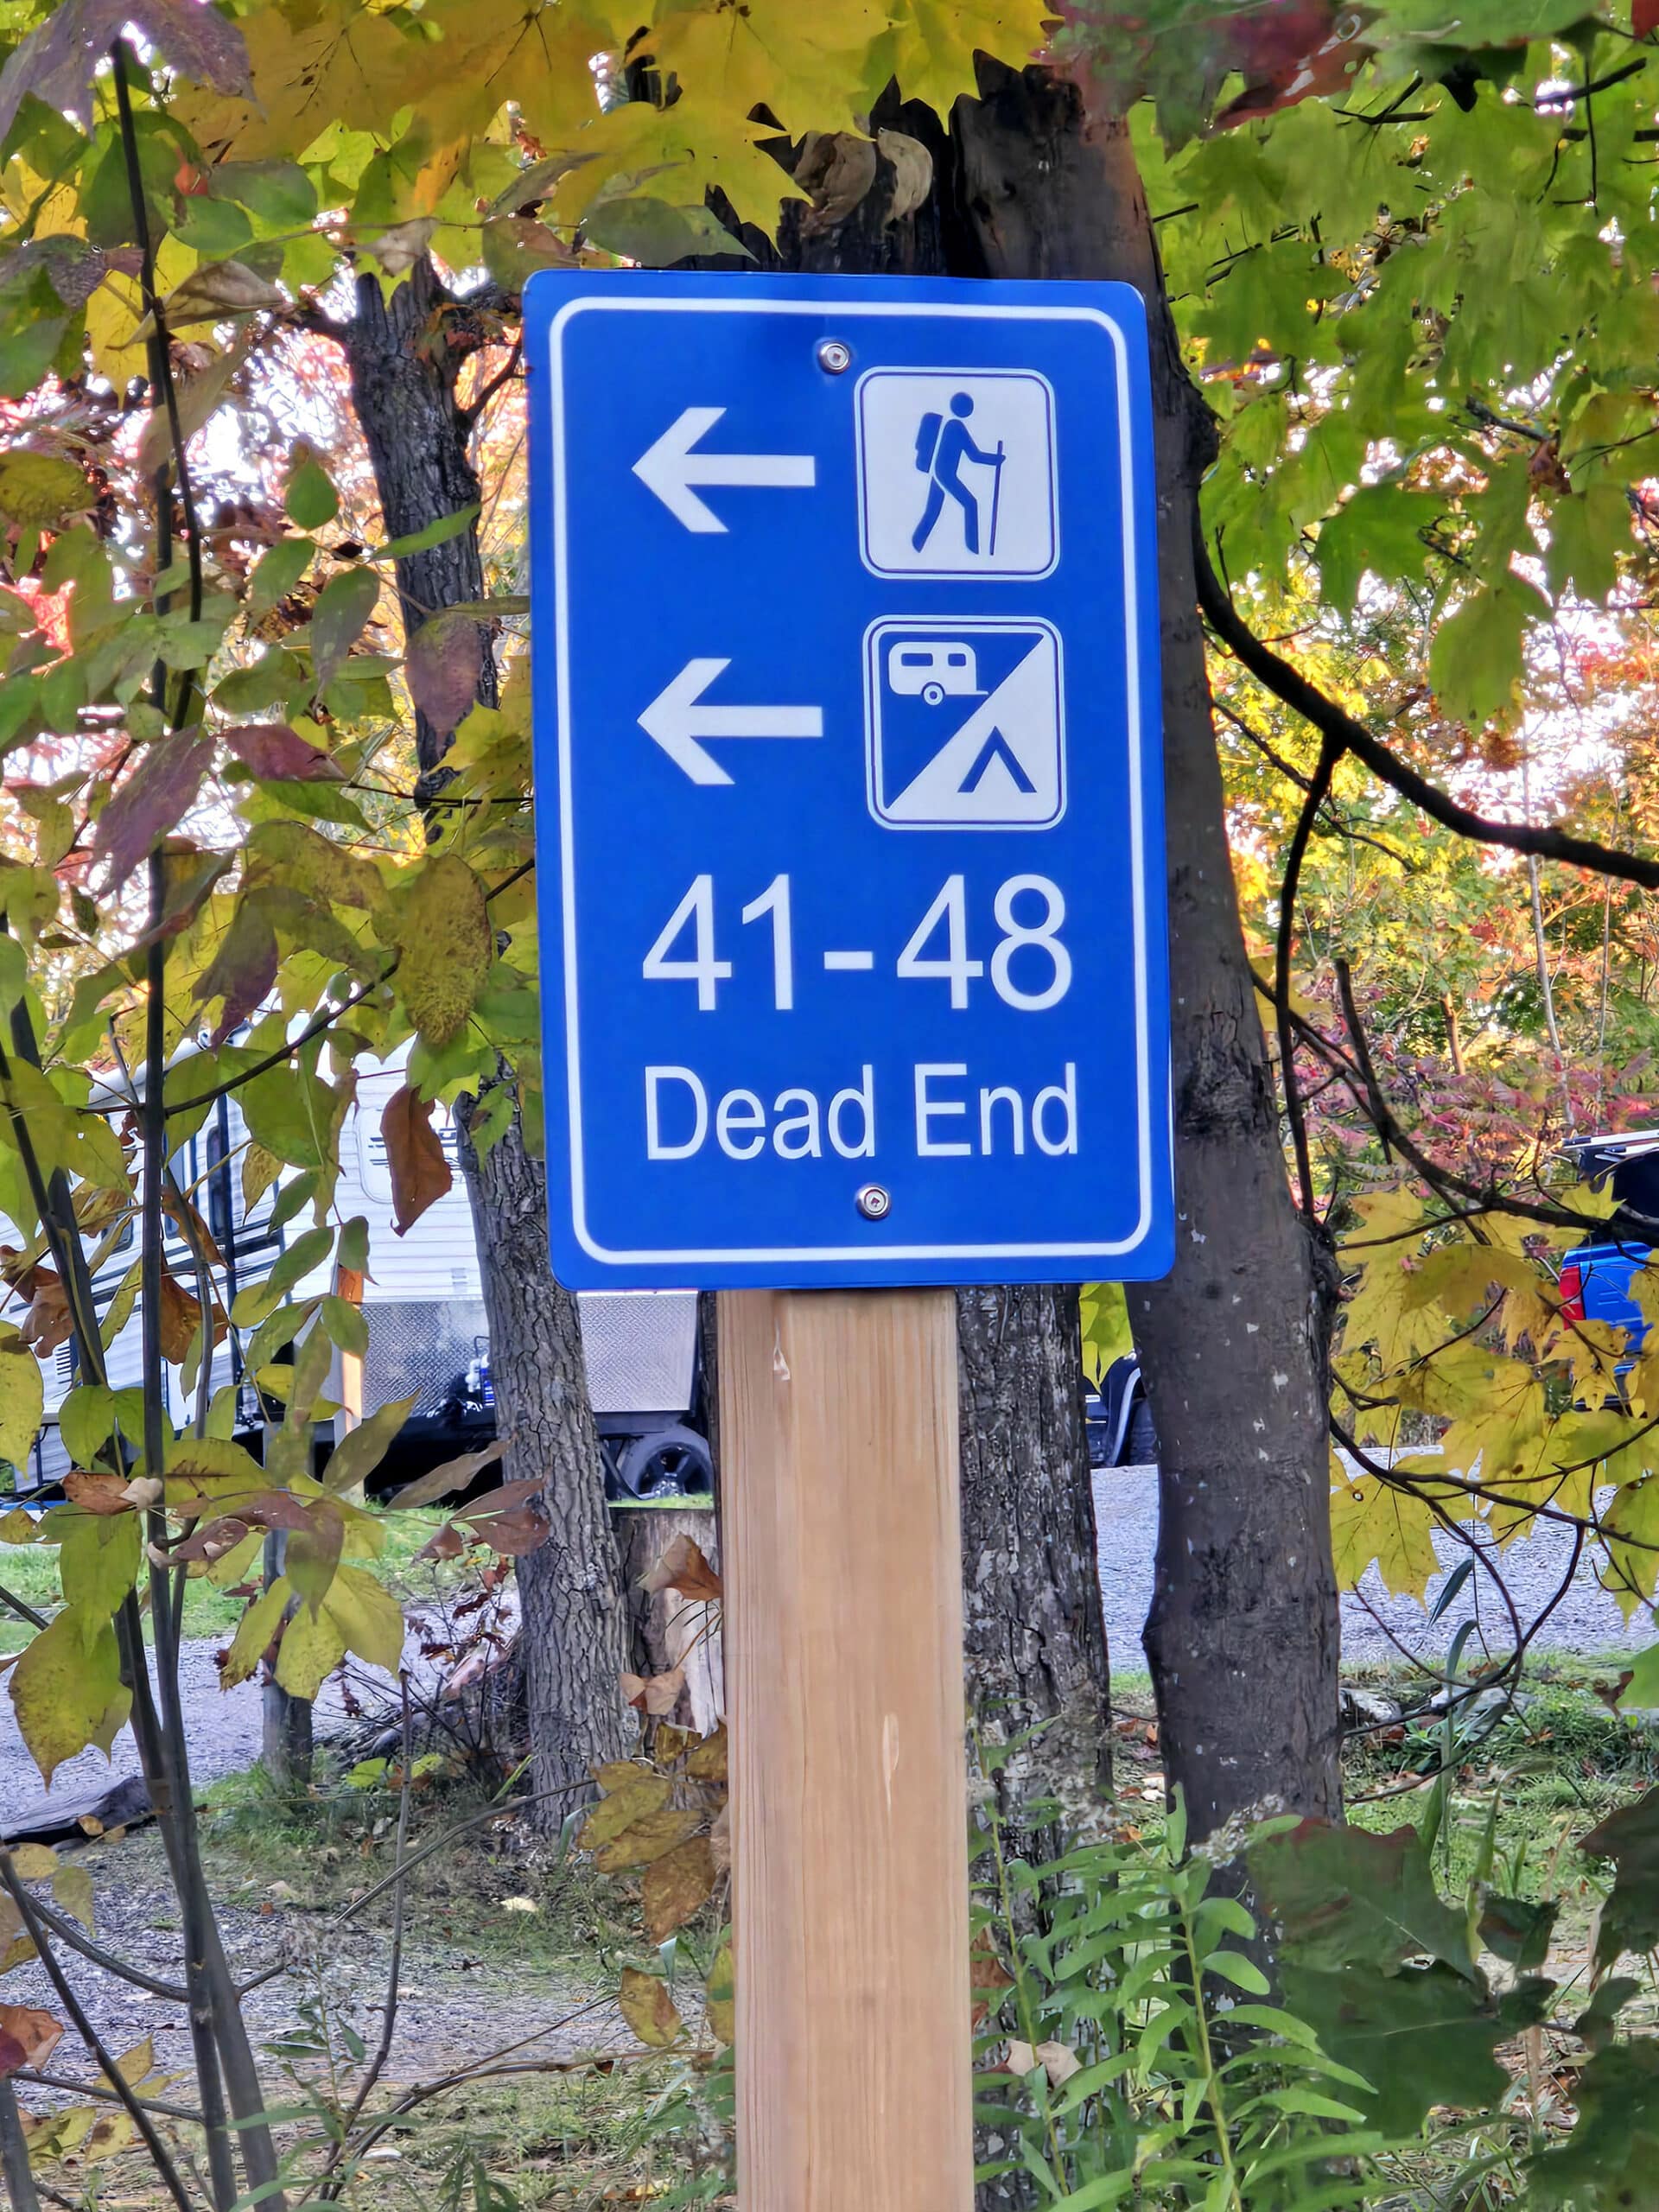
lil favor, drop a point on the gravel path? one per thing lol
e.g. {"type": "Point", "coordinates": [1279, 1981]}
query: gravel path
{"type": "Point", "coordinates": [1587, 1619]}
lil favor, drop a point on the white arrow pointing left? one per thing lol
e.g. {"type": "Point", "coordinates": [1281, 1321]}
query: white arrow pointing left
{"type": "Point", "coordinates": [671, 467]}
{"type": "Point", "coordinates": [675, 719]}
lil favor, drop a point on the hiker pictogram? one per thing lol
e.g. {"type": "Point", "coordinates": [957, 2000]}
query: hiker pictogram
{"type": "Point", "coordinates": [957, 474]}
{"type": "Point", "coordinates": [943, 443]}
{"type": "Point", "coordinates": [963, 724]}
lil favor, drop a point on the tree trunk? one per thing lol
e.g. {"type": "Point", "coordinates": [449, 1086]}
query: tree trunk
{"type": "Point", "coordinates": [575, 1627]}
{"type": "Point", "coordinates": [1234, 1344]}
{"type": "Point", "coordinates": [1036, 1646]}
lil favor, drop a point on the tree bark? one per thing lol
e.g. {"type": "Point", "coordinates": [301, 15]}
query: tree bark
{"type": "Point", "coordinates": [575, 1628]}
{"type": "Point", "coordinates": [404, 367]}
{"type": "Point", "coordinates": [1035, 1644]}
{"type": "Point", "coordinates": [1234, 1343]}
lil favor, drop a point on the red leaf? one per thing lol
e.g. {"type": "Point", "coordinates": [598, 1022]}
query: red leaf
{"type": "Point", "coordinates": [58, 61]}
{"type": "Point", "coordinates": [155, 797]}
{"type": "Point", "coordinates": [420, 1174]}
{"type": "Point", "coordinates": [441, 666]}
{"type": "Point", "coordinates": [277, 754]}
{"type": "Point", "coordinates": [1288, 51]}
{"type": "Point", "coordinates": [1645, 17]}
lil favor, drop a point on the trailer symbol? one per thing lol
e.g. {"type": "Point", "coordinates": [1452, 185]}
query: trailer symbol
{"type": "Point", "coordinates": [935, 671]}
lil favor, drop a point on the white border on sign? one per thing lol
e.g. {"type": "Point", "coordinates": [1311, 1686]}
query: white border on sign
{"type": "Point", "coordinates": [865, 1254]}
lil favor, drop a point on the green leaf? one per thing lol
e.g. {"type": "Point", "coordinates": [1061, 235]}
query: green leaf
{"type": "Point", "coordinates": [346, 1326]}
{"type": "Point", "coordinates": [653, 233]}
{"type": "Point", "coordinates": [1344, 1897]}
{"type": "Point", "coordinates": [1380, 530]}
{"type": "Point", "coordinates": [279, 194]}
{"type": "Point", "coordinates": [252, 1304]}
{"type": "Point", "coordinates": [341, 615]}
{"type": "Point", "coordinates": [1610, 2158]}
{"type": "Point", "coordinates": [278, 571]}
{"type": "Point", "coordinates": [359, 1453]}
{"type": "Point", "coordinates": [311, 499]}
{"type": "Point", "coordinates": [1475, 661]}
{"type": "Point", "coordinates": [437, 532]}
{"type": "Point", "coordinates": [1630, 1919]}
{"type": "Point", "coordinates": [98, 1559]}
{"type": "Point", "coordinates": [1422, 2037]}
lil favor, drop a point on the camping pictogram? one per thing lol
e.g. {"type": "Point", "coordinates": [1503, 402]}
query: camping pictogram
{"type": "Point", "coordinates": [963, 723]}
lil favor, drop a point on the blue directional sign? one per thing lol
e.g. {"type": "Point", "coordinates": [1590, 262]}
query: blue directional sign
{"type": "Point", "coordinates": [849, 797]}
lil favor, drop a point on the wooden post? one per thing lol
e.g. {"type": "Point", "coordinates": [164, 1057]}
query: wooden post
{"type": "Point", "coordinates": [843, 1572]}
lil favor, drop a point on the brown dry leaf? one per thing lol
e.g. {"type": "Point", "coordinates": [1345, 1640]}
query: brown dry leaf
{"type": "Point", "coordinates": [100, 1494]}
{"type": "Point", "coordinates": [446, 1542]}
{"type": "Point", "coordinates": [682, 1567]}
{"type": "Point", "coordinates": [1057, 2063]}
{"type": "Point", "coordinates": [1022, 2059]}
{"type": "Point", "coordinates": [675, 1886]}
{"type": "Point", "coordinates": [987, 1976]}
{"type": "Point", "coordinates": [180, 1318]}
{"type": "Point", "coordinates": [651, 1837]}
{"type": "Point", "coordinates": [719, 1840]}
{"type": "Point", "coordinates": [657, 1694]}
{"type": "Point", "coordinates": [837, 168]}
{"type": "Point", "coordinates": [622, 1807]}
{"type": "Point", "coordinates": [420, 1174]}
{"type": "Point", "coordinates": [47, 1324]}
{"type": "Point", "coordinates": [27, 2037]}
{"type": "Point", "coordinates": [646, 2007]}
{"type": "Point", "coordinates": [912, 172]}
{"type": "Point", "coordinates": [709, 1762]}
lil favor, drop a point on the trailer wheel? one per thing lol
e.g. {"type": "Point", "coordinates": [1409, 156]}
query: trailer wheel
{"type": "Point", "coordinates": [667, 1463]}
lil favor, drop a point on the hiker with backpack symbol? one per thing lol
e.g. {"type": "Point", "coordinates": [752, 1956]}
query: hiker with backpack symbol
{"type": "Point", "coordinates": [942, 445]}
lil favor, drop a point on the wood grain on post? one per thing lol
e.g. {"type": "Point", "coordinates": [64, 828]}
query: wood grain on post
{"type": "Point", "coordinates": [843, 1649]}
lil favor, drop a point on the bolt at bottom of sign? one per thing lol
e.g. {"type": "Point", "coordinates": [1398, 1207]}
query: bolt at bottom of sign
{"type": "Point", "coordinates": [874, 1201]}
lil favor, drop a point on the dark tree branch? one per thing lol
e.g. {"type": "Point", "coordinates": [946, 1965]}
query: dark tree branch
{"type": "Point", "coordinates": [161, 2158]}
{"type": "Point", "coordinates": [1331, 752]}
{"type": "Point", "coordinates": [1332, 720]}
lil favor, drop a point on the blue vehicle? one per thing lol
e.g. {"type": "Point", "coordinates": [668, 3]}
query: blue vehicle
{"type": "Point", "coordinates": [1595, 1280]}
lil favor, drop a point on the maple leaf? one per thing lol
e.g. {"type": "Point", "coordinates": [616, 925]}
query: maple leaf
{"type": "Point", "coordinates": [1371, 1519]}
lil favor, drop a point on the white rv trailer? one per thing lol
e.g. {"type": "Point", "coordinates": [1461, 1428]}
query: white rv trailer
{"type": "Point", "coordinates": [423, 1302]}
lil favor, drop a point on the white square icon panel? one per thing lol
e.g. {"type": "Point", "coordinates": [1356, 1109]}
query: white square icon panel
{"type": "Point", "coordinates": [955, 474]}
{"type": "Point", "coordinates": [963, 723]}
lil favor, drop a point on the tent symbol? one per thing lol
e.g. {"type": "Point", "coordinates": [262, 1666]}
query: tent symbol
{"type": "Point", "coordinates": [965, 755]}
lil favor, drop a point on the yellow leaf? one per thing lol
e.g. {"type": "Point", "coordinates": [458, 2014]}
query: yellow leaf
{"type": "Point", "coordinates": [67, 1689]}
{"type": "Point", "coordinates": [675, 1886]}
{"type": "Point", "coordinates": [254, 1631]}
{"type": "Point", "coordinates": [34, 1861]}
{"type": "Point", "coordinates": [931, 48]}
{"type": "Point", "coordinates": [366, 1616]}
{"type": "Point", "coordinates": [447, 948]}
{"type": "Point", "coordinates": [624, 1802]}
{"type": "Point", "coordinates": [1371, 1519]}
{"type": "Point", "coordinates": [312, 1648]}
{"type": "Point", "coordinates": [646, 2007]}
{"type": "Point", "coordinates": [650, 1837]}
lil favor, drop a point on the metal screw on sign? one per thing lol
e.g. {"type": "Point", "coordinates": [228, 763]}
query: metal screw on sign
{"type": "Point", "coordinates": [834, 358]}
{"type": "Point", "coordinates": [873, 1203]}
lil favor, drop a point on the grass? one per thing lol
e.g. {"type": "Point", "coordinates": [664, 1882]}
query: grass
{"type": "Point", "coordinates": [30, 1572]}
